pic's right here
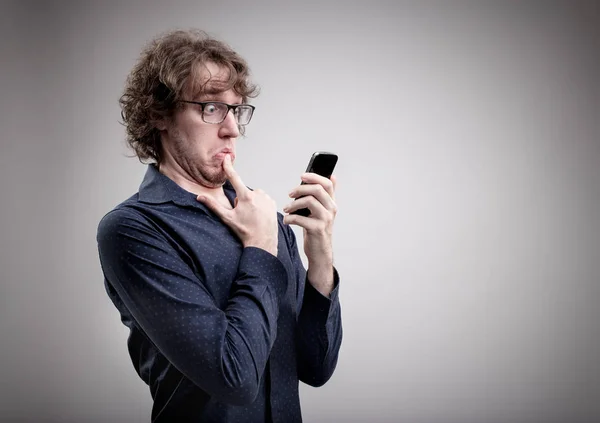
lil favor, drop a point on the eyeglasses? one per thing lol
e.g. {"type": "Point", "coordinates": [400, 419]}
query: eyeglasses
{"type": "Point", "coordinates": [216, 112]}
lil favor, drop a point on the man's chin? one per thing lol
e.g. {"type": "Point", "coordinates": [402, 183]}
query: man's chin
{"type": "Point", "coordinates": [214, 181]}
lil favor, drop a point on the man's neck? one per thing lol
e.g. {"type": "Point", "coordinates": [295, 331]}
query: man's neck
{"type": "Point", "coordinates": [181, 178]}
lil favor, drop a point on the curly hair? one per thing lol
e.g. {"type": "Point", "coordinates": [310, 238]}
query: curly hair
{"type": "Point", "coordinates": [165, 73]}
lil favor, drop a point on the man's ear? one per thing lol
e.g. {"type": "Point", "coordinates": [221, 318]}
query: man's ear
{"type": "Point", "coordinates": [160, 123]}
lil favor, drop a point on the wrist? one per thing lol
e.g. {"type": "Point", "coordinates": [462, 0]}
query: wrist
{"type": "Point", "coordinates": [321, 278]}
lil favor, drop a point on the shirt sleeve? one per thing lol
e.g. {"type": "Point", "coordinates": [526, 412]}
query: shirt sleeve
{"type": "Point", "coordinates": [319, 334]}
{"type": "Point", "coordinates": [224, 352]}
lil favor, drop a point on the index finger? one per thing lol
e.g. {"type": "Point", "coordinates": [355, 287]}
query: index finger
{"type": "Point", "coordinates": [327, 183]}
{"type": "Point", "coordinates": [234, 178]}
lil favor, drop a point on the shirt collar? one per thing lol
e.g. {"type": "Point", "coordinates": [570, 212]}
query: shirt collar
{"type": "Point", "coordinates": [157, 188]}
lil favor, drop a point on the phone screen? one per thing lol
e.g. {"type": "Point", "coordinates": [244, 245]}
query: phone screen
{"type": "Point", "coordinates": [322, 163]}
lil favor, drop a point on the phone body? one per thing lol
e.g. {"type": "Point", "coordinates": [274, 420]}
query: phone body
{"type": "Point", "coordinates": [322, 163]}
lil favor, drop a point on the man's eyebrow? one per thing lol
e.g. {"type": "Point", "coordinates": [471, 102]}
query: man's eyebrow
{"type": "Point", "coordinates": [212, 90]}
{"type": "Point", "coordinates": [215, 95]}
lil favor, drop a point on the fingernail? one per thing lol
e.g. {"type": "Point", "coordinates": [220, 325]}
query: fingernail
{"type": "Point", "coordinates": [201, 198]}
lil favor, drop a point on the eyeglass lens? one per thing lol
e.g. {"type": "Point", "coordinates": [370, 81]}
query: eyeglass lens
{"type": "Point", "coordinates": [216, 113]}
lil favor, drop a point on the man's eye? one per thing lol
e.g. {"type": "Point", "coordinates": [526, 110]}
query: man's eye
{"type": "Point", "coordinates": [210, 108]}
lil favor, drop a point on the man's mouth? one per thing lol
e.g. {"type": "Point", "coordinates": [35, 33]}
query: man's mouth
{"type": "Point", "coordinates": [221, 154]}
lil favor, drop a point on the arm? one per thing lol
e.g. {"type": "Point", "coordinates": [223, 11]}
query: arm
{"type": "Point", "coordinates": [319, 320]}
{"type": "Point", "coordinates": [319, 334]}
{"type": "Point", "coordinates": [224, 352]}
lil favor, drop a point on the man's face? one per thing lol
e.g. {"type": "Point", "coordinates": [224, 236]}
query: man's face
{"type": "Point", "coordinates": [196, 149]}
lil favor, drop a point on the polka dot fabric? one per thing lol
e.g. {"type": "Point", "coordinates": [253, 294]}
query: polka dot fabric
{"type": "Point", "coordinates": [219, 332]}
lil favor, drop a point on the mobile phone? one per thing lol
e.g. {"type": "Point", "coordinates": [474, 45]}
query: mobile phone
{"type": "Point", "coordinates": [322, 163]}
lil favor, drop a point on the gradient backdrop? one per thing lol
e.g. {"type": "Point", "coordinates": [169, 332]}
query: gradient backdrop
{"type": "Point", "coordinates": [468, 236]}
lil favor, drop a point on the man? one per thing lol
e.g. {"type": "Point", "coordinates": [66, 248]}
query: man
{"type": "Point", "coordinates": [224, 320]}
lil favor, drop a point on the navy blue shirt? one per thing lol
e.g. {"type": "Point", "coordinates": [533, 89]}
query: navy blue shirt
{"type": "Point", "coordinates": [219, 332]}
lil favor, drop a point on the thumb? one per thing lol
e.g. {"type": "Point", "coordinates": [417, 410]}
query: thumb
{"type": "Point", "coordinates": [333, 181]}
{"type": "Point", "coordinates": [214, 206]}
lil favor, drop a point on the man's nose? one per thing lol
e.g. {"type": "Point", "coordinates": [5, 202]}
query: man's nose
{"type": "Point", "coordinates": [230, 126]}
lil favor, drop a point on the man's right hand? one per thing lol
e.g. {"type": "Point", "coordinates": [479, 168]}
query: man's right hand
{"type": "Point", "coordinates": [254, 216]}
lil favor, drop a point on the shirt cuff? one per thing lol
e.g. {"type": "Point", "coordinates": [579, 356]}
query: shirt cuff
{"type": "Point", "coordinates": [319, 302]}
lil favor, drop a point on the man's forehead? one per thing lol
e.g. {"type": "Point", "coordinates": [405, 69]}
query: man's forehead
{"type": "Point", "coordinates": [211, 73]}
{"type": "Point", "coordinates": [210, 78]}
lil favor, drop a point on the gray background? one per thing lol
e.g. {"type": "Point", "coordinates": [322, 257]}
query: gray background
{"type": "Point", "coordinates": [468, 236]}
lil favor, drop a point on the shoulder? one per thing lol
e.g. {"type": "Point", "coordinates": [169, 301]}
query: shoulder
{"type": "Point", "coordinates": [123, 218]}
